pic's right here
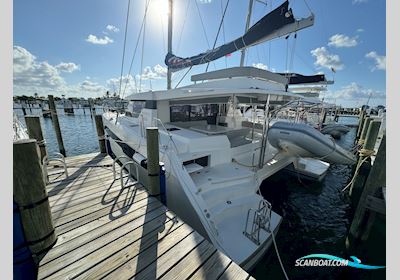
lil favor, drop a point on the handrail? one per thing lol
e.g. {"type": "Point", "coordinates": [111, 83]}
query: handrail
{"type": "Point", "coordinates": [46, 160]}
{"type": "Point", "coordinates": [122, 169]}
{"type": "Point", "coordinates": [114, 161]}
{"type": "Point", "coordinates": [169, 134]}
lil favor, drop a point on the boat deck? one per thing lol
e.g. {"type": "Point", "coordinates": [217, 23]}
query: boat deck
{"type": "Point", "coordinates": [108, 232]}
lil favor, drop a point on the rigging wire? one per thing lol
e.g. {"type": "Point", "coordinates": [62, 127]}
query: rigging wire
{"type": "Point", "coordinates": [257, 47]}
{"type": "Point", "coordinates": [304, 61]}
{"type": "Point", "coordinates": [123, 52]}
{"type": "Point", "coordinates": [223, 32]}
{"type": "Point", "coordinates": [163, 33]}
{"type": "Point", "coordinates": [270, 44]}
{"type": "Point", "coordinates": [292, 53]}
{"type": "Point", "coordinates": [190, 68]}
{"type": "Point", "coordinates": [287, 54]}
{"type": "Point", "coordinates": [142, 57]}
{"type": "Point", "coordinates": [219, 29]}
{"type": "Point", "coordinates": [183, 26]}
{"type": "Point", "coordinates": [308, 7]}
{"type": "Point", "coordinates": [202, 23]}
{"type": "Point", "coordinates": [136, 46]}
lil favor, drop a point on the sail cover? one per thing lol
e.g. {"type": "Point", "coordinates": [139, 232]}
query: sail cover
{"type": "Point", "coordinates": [277, 23]}
{"type": "Point", "coordinates": [295, 78]}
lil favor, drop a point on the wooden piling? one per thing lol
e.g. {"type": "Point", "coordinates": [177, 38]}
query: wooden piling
{"type": "Point", "coordinates": [31, 196]}
{"type": "Point", "coordinates": [364, 171]}
{"type": "Point", "coordinates": [56, 124]}
{"type": "Point", "coordinates": [359, 182]}
{"type": "Point", "coordinates": [90, 108]}
{"type": "Point", "coordinates": [364, 130]}
{"type": "Point", "coordinates": [336, 116]}
{"type": "Point", "coordinates": [35, 132]}
{"type": "Point", "coordinates": [360, 123]}
{"type": "Point", "coordinates": [23, 109]}
{"type": "Point", "coordinates": [100, 133]}
{"type": "Point", "coordinates": [153, 161]}
{"type": "Point", "coordinates": [372, 134]}
{"type": "Point", "coordinates": [376, 179]}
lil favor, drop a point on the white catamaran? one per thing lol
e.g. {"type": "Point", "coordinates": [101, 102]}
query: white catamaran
{"type": "Point", "coordinates": [215, 159]}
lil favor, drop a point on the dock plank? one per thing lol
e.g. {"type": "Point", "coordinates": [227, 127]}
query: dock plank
{"type": "Point", "coordinates": [108, 212]}
{"type": "Point", "coordinates": [103, 222]}
{"type": "Point", "coordinates": [162, 262]}
{"type": "Point", "coordinates": [88, 209]}
{"type": "Point", "coordinates": [213, 268]}
{"type": "Point", "coordinates": [190, 263]}
{"type": "Point", "coordinates": [83, 257]}
{"type": "Point", "coordinates": [108, 232]}
{"type": "Point", "coordinates": [233, 272]}
{"type": "Point", "coordinates": [119, 264]}
{"type": "Point", "coordinates": [101, 235]}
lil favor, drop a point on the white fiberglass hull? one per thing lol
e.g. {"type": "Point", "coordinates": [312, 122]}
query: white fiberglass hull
{"type": "Point", "coordinates": [217, 207]}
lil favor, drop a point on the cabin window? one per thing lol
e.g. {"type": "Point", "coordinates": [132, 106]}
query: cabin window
{"type": "Point", "coordinates": [180, 113]}
{"type": "Point", "coordinates": [186, 113]}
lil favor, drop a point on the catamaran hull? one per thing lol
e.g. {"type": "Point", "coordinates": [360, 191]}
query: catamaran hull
{"type": "Point", "coordinates": [179, 203]}
{"type": "Point", "coordinates": [183, 202]}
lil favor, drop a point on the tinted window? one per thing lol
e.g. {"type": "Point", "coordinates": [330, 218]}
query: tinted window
{"type": "Point", "coordinates": [185, 113]}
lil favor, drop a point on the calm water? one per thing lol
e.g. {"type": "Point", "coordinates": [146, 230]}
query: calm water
{"type": "Point", "coordinates": [316, 216]}
{"type": "Point", "coordinates": [78, 131]}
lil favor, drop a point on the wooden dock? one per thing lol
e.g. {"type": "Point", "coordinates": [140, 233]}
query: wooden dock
{"type": "Point", "coordinates": [108, 232]}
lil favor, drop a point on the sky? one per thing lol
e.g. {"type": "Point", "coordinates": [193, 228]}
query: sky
{"type": "Point", "coordinates": [75, 48]}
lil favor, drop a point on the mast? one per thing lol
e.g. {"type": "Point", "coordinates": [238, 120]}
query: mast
{"type": "Point", "coordinates": [250, 10]}
{"type": "Point", "coordinates": [170, 8]}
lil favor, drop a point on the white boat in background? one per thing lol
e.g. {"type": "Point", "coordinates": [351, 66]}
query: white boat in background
{"type": "Point", "coordinates": [19, 129]}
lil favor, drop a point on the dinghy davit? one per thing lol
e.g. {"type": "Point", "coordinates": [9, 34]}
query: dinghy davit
{"type": "Point", "coordinates": [304, 141]}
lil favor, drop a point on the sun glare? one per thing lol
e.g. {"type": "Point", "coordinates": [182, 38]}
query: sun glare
{"type": "Point", "coordinates": [161, 7]}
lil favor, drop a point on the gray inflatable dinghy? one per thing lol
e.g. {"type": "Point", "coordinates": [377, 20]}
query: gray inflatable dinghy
{"type": "Point", "coordinates": [305, 141]}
